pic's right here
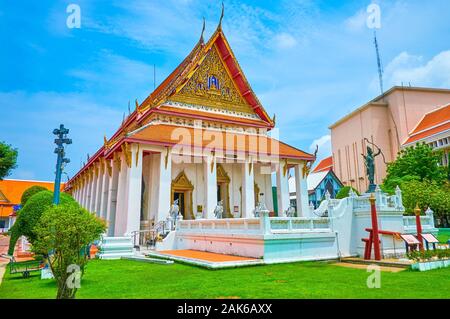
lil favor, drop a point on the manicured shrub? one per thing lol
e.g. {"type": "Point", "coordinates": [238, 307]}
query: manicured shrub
{"type": "Point", "coordinates": [30, 192]}
{"type": "Point", "coordinates": [343, 192]}
{"type": "Point", "coordinates": [29, 215]}
{"type": "Point", "coordinates": [66, 230]}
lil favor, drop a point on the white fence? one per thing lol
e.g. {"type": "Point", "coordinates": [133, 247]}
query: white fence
{"type": "Point", "coordinates": [262, 225]}
{"type": "Point", "coordinates": [409, 222]}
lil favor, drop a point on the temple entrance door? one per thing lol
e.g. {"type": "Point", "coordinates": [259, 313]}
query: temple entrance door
{"type": "Point", "coordinates": [182, 190]}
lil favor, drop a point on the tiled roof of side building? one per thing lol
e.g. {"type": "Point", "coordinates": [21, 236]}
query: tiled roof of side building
{"type": "Point", "coordinates": [432, 123]}
{"type": "Point", "coordinates": [324, 165]}
{"type": "Point", "coordinates": [12, 189]}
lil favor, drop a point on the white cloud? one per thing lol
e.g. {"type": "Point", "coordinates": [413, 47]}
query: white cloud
{"type": "Point", "coordinates": [117, 78]}
{"type": "Point", "coordinates": [285, 40]}
{"type": "Point", "coordinates": [357, 22]}
{"type": "Point", "coordinates": [411, 69]}
{"type": "Point", "coordinates": [324, 143]}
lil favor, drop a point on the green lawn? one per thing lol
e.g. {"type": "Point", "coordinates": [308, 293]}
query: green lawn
{"type": "Point", "coordinates": [131, 279]}
{"type": "Point", "coordinates": [444, 235]}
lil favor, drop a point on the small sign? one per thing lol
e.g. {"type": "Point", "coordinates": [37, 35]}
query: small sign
{"type": "Point", "coordinates": [236, 209]}
{"type": "Point", "coordinates": [410, 239]}
{"type": "Point", "coordinates": [430, 238]}
{"type": "Point", "coordinates": [200, 208]}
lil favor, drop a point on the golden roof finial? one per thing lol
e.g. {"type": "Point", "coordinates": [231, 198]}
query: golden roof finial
{"type": "Point", "coordinates": [203, 30]}
{"type": "Point", "coordinates": [221, 17]}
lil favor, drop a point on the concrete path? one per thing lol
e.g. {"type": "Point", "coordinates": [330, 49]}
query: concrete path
{"type": "Point", "coordinates": [4, 243]}
{"type": "Point", "coordinates": [361, 266]}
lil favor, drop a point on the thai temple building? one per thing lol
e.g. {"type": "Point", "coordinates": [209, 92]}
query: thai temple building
{"type": "Point", "coordinates": [200, 140]}
{"type": "Point", "coordinates": [191, 170]}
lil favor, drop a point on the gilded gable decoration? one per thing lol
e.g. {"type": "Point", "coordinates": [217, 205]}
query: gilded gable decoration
{"type": "Point", "coordinates": [211, 85]}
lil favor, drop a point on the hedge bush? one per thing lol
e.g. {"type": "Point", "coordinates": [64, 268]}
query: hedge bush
{"type": "Point", "coordinates": [30, 213]}
{"type": "Point", "coordinates": [343, 192]}
{"type": "Point", "coordinates": [30, 192]}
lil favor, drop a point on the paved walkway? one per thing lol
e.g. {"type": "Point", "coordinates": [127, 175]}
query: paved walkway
{"type": "Point", "coordinates": [205, 259]}
{"type": "Point", "coordinates": [361, 266]}
{"type": "Point", "coordinates": [204, 255]}
{"type": "Point", "coordinates": [4, 244]}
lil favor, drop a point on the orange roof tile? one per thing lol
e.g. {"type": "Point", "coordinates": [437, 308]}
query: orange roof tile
{"type": "Point", "coordinates": [433, 118]}
{"type": "Point", "coordinates": [433, 122]}
{"type": "Point", "coordinates": [426, 133]}
{"type": "Point", "coordinates": [170, 135]}
{"type": "Point", "coordinates": [13, 189]}
{"type": "Point", "coordinates": [324, 165]}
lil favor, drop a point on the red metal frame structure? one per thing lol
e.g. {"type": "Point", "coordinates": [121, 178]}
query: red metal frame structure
{"type": "Point", "coordinates": [369, 241]}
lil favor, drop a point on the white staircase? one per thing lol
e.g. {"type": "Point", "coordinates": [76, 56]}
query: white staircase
{"type": "Point", "coordinates": [115, 247]}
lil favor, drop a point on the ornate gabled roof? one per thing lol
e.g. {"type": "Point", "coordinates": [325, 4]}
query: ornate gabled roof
{"type": "Point", "coordinates": [217, 49]}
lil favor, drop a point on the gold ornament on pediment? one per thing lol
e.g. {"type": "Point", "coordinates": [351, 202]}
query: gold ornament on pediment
{"type": "Point", "coordinates": [285, 167]}
{"type": "Point", "coordinates": [211, 85]}
{"type": "Point", "coordinates": [127, 153]}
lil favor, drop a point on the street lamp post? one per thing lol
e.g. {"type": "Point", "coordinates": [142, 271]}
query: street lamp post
{"type": "Point", "coordinates": [61, 160]}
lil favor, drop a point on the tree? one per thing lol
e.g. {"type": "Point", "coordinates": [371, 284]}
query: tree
{"type": "Point", "coordinates": [419, 162]}
{"type": "Point", "coordinates": [29, 215]}
{"type": "Point", "coordinates": [8, 159]}
{"type": "Point", "coordinates": [343, 192]}
{"type": "Point", "coordinates": [28, 193]}
{"type": "Point", "coordinates": [65, 230]}
{"type": "Point", "coordinates": [427, 194]}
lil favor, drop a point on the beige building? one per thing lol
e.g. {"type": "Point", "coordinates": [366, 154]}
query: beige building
{"type": "Point", "coordinates": [387, 121]}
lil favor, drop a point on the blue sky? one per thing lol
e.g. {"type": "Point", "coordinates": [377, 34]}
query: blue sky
{"type": "Point", "coordinates": [310, 62]}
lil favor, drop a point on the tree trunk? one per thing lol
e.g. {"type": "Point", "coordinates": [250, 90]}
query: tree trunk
{"type": "Point", "coordinates": [64, 292]}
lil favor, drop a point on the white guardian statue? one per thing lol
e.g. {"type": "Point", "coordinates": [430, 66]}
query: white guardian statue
{"type": "Point", "coordinates": [218, 211]}
{"type": "Point", "coordinates": [174, 214]}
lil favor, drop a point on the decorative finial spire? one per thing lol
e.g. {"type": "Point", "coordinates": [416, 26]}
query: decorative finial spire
{"type": "Point", "coordinates": [221, 17]}
{"type": "Point", "coordinates": [203, 30]}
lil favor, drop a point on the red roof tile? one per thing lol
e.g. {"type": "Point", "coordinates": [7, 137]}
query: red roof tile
{"type": "Point", "coordinates": [432, 123]}
{"type": "Point", "coordinates": [324, 165]}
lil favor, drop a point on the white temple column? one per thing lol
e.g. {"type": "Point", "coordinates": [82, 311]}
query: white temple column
{"type": "Point", "coordinates": [82, 192]}
{"type": "Point", "coordinates": [88, 191]}
{"type": "Point", "coordinates": [98, 189]}
{"type": "Point", "coordinates": [93, 190]}
{"type": "Point", "coordinates": [248, 189]}
{"type": "Point", "coordinates": [122, 189]}
{"type": "Point", "coordinates": [301, 190]}
{"type": "Point", "coordinates": [105, 191]}
{"type": "Point", "coordinates": [111, 205]}
{"type": "Point", "coordinates": [268, 191]}
{"type": "Point", "coordinates": [134, 198]}
{"type": "Point", "coordinates": [163, 161]}
{"type": "Point", "coordinates": [282, 188]}
{"type": "Point", "coordinates": [210, 174]}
